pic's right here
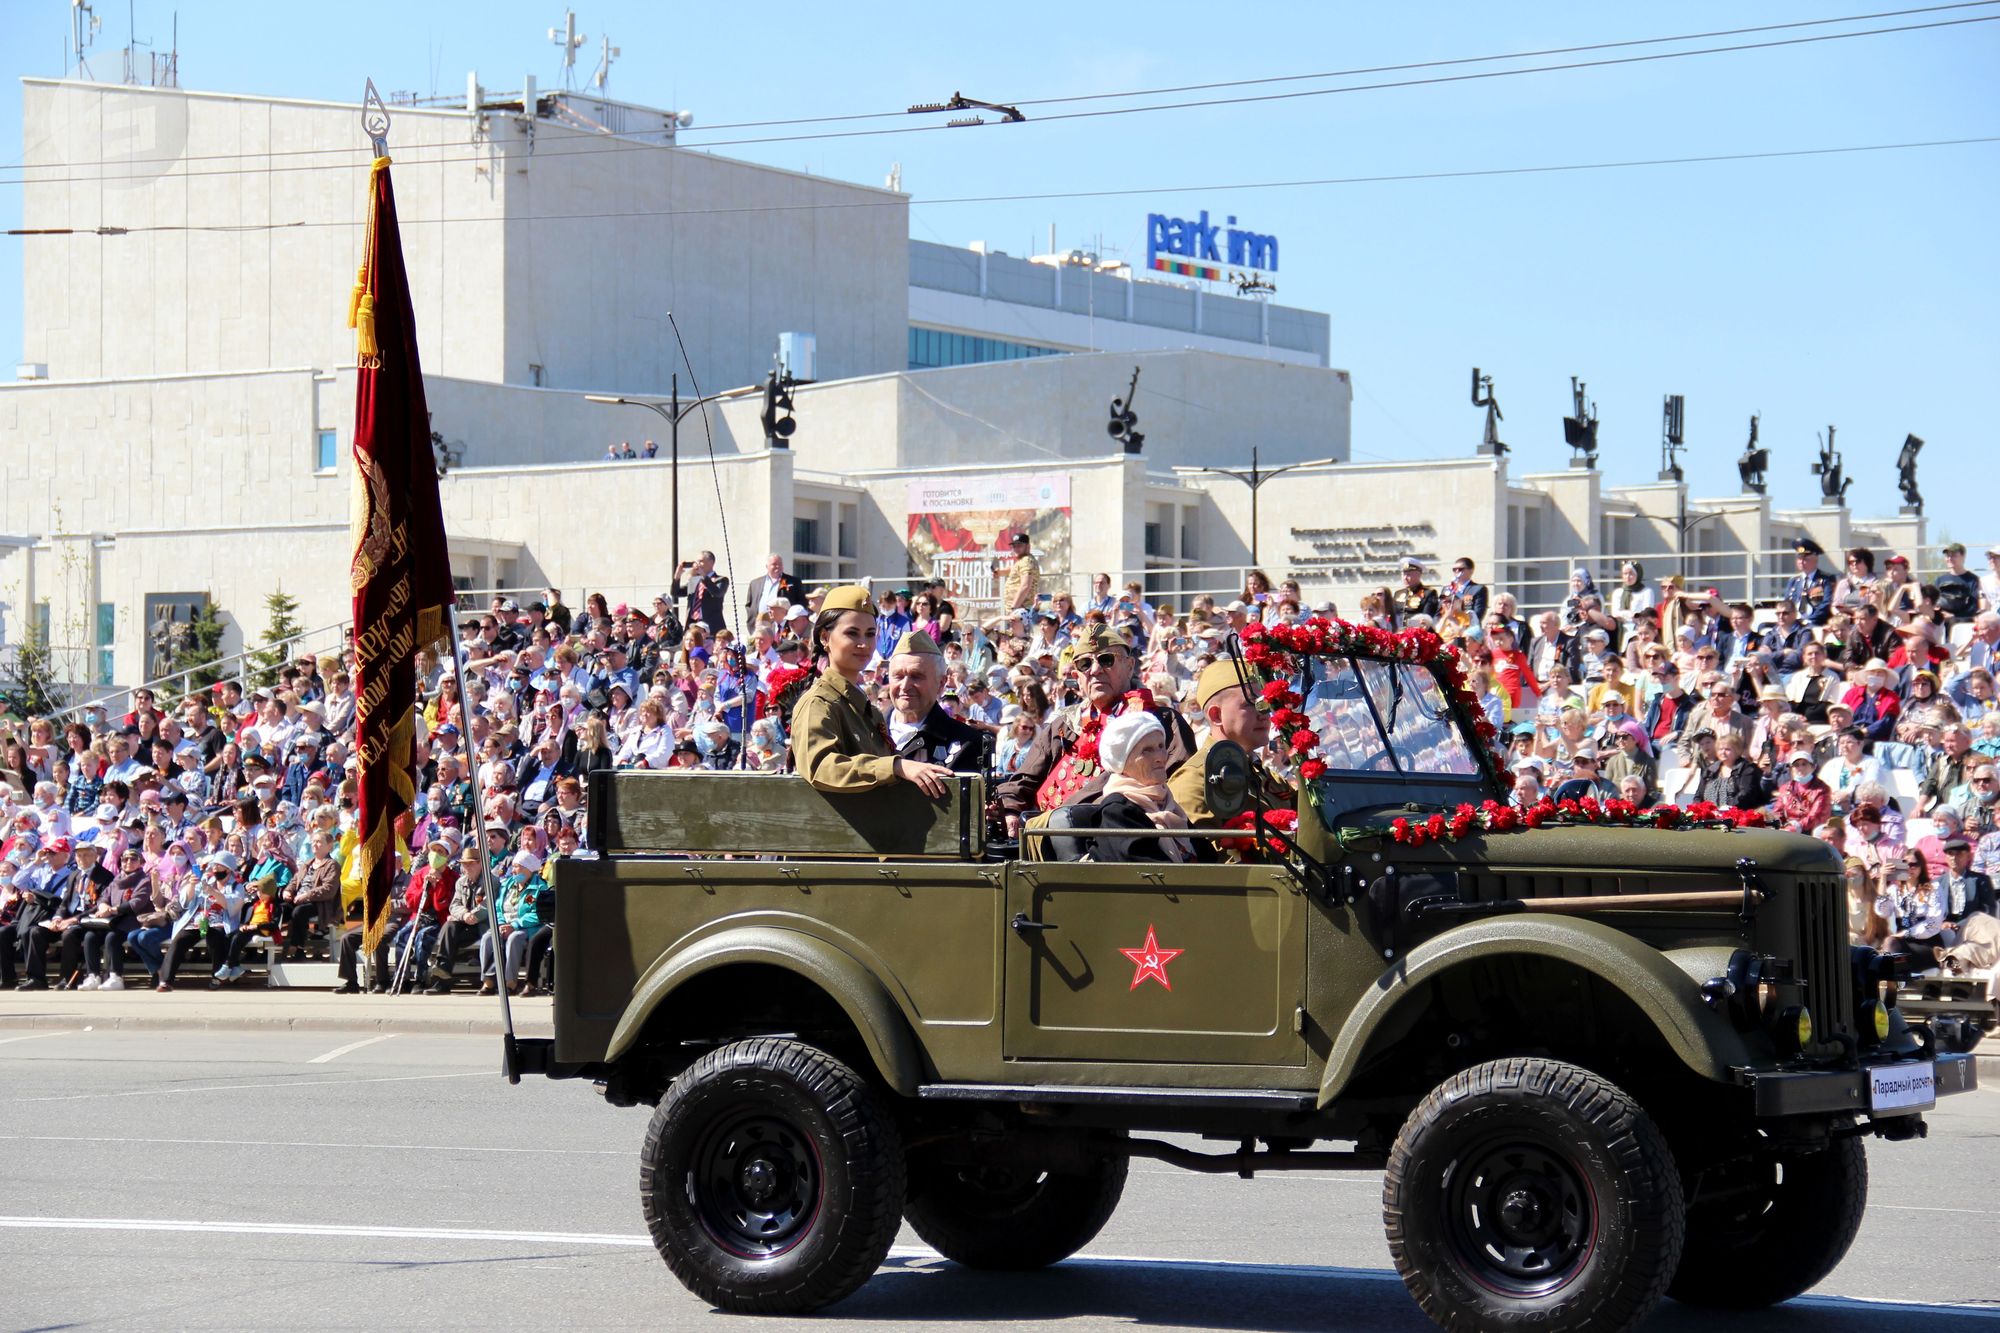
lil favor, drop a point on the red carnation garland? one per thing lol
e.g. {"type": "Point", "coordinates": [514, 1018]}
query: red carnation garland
{"type": "Point", "coordinates": [1283, 819]}
{"type": "Point", "coordinates": [1091, 728]}
{"type": "Point", "coordinates": [1493, 817]}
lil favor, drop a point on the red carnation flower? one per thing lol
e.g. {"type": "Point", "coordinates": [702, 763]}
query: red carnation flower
{"type": "Point", "coordinates": [1434, 826]}
{"type": "Point", "coordinates": [1399, 829]}
{"type": "Point", "coordinates": [1303, 739]}
{"type": "Point", "coordinates": [1312, 769]}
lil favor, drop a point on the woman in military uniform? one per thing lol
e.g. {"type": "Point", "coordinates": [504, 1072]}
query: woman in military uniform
{"type": "Point", "coordinates": [840, 742]}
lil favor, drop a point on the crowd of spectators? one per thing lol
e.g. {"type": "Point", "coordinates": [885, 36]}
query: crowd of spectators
{"type": "Point", "coordinates": [1858, 709]}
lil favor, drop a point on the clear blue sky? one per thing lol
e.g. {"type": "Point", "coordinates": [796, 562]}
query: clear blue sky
{"type": "Point", "coordinates": [1855, 289]}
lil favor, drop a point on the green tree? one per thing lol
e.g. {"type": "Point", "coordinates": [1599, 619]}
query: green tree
{"type": "Point", "coordinates": [267, 661]}
{"type": "Point", "coordinates": [202, 649]}
{"type": "Point", "coordinates": [31, 677]}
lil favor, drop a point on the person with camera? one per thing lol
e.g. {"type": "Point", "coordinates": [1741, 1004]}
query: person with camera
{"type": "Point", "coordinates": [704, 589]}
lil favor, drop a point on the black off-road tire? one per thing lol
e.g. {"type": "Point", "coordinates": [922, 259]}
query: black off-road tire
{"type": "Point", "coordinates": [1528, 1192]}
{"type": "Point", "coordinates": [771, 1178]}
{"type": "Point", "coordinates": [1009, 1219]}
{"type": "Point", "coordinates": [1791, 1228]}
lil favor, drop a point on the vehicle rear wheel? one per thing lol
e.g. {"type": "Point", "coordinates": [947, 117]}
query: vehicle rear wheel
{"type": "Point", "coordinates": [1766, 1229]}
{"type": "Point", "coordinates": [1531, 1191]}
{"type": "Point", "coordinates": [1007, 1217]}
{"type": "Point", "coordinates": [772, 1178]}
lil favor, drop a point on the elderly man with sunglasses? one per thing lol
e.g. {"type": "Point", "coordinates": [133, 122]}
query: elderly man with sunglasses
{"type": "Point", "coordinates": [1062, 767]}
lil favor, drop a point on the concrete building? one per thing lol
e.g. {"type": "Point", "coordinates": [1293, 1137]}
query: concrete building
{"type": "Point", "coordinates": [180, 429]}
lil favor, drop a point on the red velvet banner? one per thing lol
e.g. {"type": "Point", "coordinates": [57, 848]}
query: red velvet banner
{"type": "Point", "coordinates": [401, 569]}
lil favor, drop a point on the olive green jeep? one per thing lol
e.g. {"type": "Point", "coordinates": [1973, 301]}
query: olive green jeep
{"type": "Point", "coordinates": [1597, 1065]}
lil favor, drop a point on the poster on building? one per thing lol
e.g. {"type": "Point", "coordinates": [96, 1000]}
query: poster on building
{"type": "Point", "coordinates": [168, 618]}
{"type": "Point", "coordinates": [961, 529]}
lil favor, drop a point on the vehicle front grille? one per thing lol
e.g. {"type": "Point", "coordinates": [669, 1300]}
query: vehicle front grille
{"type": "Point", "coordinates": [1822, 960]}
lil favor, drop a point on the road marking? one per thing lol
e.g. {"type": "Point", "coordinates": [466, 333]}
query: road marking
{"type": "Point", "coordinates": [290, 1143]}
{"type": "Point", "coordinates": [339, 1051]}
{"type": "Point", "coordinates": [321, 1229]}
{"type": "Point", "coordinates": [254, 1087]}
{"type": "Point", "coordinates": [37, 1036]}
{"type": "Point", "coordinates": [1921, 1208]}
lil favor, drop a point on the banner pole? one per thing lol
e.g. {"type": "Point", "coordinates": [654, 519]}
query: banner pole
{"type": "Point", "coordinates": [510, 1064]}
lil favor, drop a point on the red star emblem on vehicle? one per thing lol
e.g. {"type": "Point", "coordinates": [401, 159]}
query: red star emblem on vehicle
{"type": "Point", "coordinates": [1149, 960]}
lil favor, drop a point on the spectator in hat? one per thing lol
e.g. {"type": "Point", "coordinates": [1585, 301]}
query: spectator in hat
{"type": "Point", "coordinates": [1801, 801]}
{"type": "Point", "coordinates": [506, 945]}
{"type": "Point", "coordinates": [1963, 889]}
{"type": "Point", "coordinates": [1811, 589]}
{"type": "Point", "coordinates": [1413, 598]}
{"type": "Point", "coordinates": [1874, 701]}
{"type": "Point", "coordinates": [210, 909]}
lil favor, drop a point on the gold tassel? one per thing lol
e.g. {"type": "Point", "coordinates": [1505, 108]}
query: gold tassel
{"type": "Point", "coordinates": [354, 297]}
{"type": "Point", "coordinates": [365, 349]}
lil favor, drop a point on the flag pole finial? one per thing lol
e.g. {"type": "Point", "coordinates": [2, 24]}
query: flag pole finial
{"type": "Point", "coordinates": [375, 120]}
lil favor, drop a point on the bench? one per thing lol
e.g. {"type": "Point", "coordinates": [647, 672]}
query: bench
{"type": "Point", "coordinates": [692, 811]}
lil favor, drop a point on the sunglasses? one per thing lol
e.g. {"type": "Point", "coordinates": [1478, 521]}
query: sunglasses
{"type": "Point", "coordinates": [1102, 661]}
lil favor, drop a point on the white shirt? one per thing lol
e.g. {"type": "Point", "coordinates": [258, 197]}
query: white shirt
{"type": "Point", "coordinates": [1841, 779]}
{"type": "Point", "coordinates": [901, 731]}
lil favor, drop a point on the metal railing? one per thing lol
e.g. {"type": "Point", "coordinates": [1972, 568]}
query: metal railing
{"type": "Point", "coordinates": [237, 667]}
{"type": "Point", "coordinates": [1542, 583]}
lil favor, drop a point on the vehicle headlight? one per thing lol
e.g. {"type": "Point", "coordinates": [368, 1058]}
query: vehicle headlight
{"type": "Point", "coordinates": [1878, 1014]}
{"type": "Point", "coordinates": [1794, 1029]}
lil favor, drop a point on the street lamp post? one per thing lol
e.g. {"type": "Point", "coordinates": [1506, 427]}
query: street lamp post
{"type": "Point", "coordinates": [1255, 479]}
{"type": "Point", "coordinates": [672, 412]}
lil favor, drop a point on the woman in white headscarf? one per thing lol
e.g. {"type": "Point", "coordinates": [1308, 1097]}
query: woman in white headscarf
{"type": "Point", "coordinates": [1133, 749]}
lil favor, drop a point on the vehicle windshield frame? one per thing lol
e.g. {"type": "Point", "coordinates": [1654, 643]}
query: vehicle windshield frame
{"type": "Point", "coordinates": [1369, 677]}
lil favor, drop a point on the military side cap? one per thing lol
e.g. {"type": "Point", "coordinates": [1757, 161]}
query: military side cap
{"type": "Point", "coordinates": [848, 597]}
{"type": "Point", "coordinates": [917, 644]}
{"type": "Point", "coordinates": [1221, 675]}
{"type": "Point", "coordinates": [1097, 639]}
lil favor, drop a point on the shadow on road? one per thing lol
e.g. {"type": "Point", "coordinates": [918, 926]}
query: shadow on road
{"type": "Point", "coordinates": [1284, 1299]}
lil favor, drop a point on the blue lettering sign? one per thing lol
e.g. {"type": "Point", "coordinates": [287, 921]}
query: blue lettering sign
{"type": "Point", "coordinates": [1190, 246]}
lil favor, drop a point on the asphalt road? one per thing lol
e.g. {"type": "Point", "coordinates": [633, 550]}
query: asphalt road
{"type": "Point", "coordinates": [178, 1180]}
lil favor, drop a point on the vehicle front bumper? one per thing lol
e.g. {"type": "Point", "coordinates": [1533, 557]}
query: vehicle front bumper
{"type": "Point", "coordinates": [1784, 1092]}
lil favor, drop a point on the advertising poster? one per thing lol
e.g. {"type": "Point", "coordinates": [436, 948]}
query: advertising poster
{"type": "Point", "coordinates": [960, 529]}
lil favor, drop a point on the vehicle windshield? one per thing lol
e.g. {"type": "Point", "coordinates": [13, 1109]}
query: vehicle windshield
{"type": "Point", "coordinates": [1384, 719]}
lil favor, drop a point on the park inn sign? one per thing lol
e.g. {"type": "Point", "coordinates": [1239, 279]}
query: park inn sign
{"type": "Point", "coordinates": [1196, 247]}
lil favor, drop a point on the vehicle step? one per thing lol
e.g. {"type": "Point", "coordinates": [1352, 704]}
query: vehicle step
{"type": "Point", "coordinates": [1212, 1098]}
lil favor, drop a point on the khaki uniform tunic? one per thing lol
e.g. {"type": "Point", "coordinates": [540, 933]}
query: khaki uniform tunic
{"type": "Point", "coordinates": [839, 741]}
{"type": "Point", "coordinates": [1024, 577]}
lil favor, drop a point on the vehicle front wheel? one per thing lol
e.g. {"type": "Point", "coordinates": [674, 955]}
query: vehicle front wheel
{"type": "Point", "coordinates": [1007, 1217]}
{"type": "Point", "coordinates": [772, 1178]}
{"type": "Point", "coordinates": [1528, 1191]}
{"type": "Point", "coordinates": [1763, 1230]}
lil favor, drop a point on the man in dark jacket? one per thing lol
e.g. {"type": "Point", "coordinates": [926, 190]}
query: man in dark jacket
{"type": "Point", "coordinates": [704, 589]}
{"type": "Point", "coordinates": [918, 727]}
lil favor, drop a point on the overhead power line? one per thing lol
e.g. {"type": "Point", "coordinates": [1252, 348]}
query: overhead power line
{"type": "Point", "coordinates": [622, 145]}
{"type": "Point", "coordinates": [1039, 196]}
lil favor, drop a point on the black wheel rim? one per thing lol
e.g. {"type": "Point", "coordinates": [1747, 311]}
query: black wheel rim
{"type": "Point", "coordinates": [1521, 1218]}
{"type": "Point", "coordinates": [754, 1181]}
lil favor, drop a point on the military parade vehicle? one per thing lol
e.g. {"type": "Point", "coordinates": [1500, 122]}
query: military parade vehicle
{"type": "Point", "coordinates": [1600, 1055]}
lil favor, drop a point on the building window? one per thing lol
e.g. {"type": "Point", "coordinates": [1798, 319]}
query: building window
{"type": "Point", "coordinates": [107, 632]}
{"type": "Point", "coordinates": [805, 536]}
{"type": "Point", "coordinates": [932, 348]}
{"type": "Point", "coordinates": [328, 457]}
{"type": "Point", "coordinates": [1156, 540]}
{"type": "Point", "coordinates": [811, 571]}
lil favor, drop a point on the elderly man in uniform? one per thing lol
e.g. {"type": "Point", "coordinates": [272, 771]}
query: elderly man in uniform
{"type": "Point", "coordinates": [1062, 768]}
{"type": "Point", "coordinates": [1413, 598]}
{"type": "Point", "coordinates": [1228, 695]}
{"type": "Point", "coordinates": [1811, 589]}
{"type": "Point", "coordinates": [918, 728]}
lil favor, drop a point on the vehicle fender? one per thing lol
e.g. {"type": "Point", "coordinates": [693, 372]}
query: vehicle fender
{"type": "Point", "coordinates": [866, 1002]}
{"type": "Point", "coordinates": [1661, 986]}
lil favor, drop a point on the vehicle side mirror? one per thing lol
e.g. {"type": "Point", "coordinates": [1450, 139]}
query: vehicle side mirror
{"type": "Point", "coordinates": [1225, 779]}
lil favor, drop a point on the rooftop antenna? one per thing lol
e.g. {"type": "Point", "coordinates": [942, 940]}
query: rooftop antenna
{"type": "Point", "coordinates": [568, 40]}
{"type": "Point", "coordinates": [608, 54]}
{"type": "Point", "coordinates": [83, 26]}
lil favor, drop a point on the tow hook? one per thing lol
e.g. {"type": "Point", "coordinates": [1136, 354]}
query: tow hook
{"type": "Point", "coordinates": [1902, 1128]}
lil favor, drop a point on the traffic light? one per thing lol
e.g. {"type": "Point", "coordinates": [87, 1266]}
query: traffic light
{"type": "Point", "coordinates": [778, 398]}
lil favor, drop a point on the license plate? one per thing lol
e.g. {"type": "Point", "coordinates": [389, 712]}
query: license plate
{"type": "Point", "coordinates": [1894, 1089]}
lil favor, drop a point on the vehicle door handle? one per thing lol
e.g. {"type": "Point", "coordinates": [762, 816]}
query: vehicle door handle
{"type": "Point", "coordinates": [1023, 926]}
